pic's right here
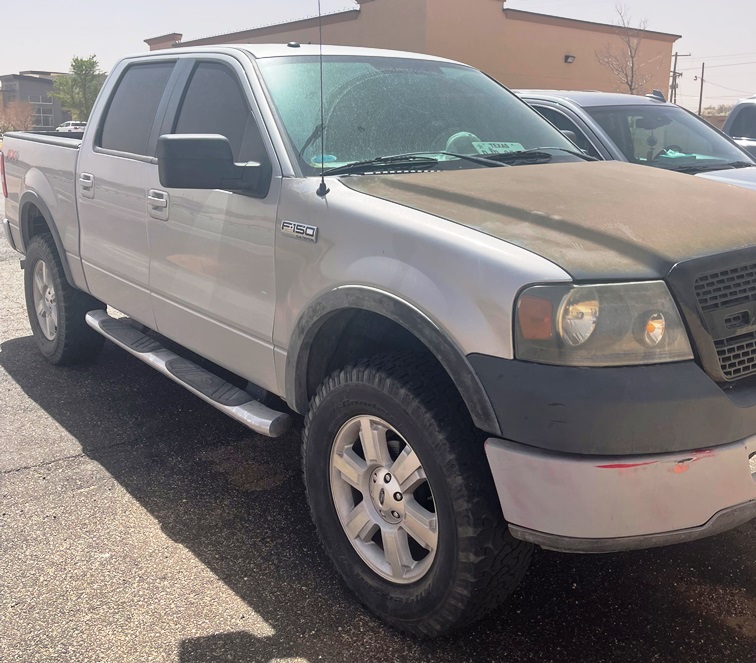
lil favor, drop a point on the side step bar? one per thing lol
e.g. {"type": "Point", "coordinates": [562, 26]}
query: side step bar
{"type": "Point", "coordinates": [211, 388]}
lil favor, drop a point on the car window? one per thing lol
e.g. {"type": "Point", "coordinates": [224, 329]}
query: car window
{"type": "Point", "coordinates": [563, 123]}
{"type": "Point", "coordinates": [131, 112]}
{"type": "Point", "coordinates": [214, 103]}
{"type": "Point", "coordinates": [665, 136]}
{"type": "Point", "coordinates": [744, 125]}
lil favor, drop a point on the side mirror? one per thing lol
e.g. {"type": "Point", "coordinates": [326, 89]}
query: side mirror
{"type": "Point", "coordinates": [205, 161]}
{"type": "Point", "coordinates": [570, 134]}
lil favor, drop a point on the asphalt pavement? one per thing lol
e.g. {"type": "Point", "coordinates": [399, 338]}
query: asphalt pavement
{"type": "Point", "coordinates": [137, 523]}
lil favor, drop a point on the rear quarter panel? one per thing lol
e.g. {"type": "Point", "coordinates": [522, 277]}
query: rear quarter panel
{"type": "Point", "coordinates": [45, 167]}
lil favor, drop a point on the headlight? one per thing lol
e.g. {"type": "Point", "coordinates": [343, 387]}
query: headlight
{"type": "Point", "coordinates": [600, 325]}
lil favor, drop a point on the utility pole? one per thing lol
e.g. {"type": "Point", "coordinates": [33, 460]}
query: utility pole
{"type": "Point", "coordinates": [700, 96]}
{"type": "Point", "coordinates": [676, 75]}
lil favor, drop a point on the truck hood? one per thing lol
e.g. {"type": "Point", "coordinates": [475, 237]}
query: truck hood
{"type": "Point", "coordinates": [602, 220]}
{"type": "Point", "coordinates": [745, 177]}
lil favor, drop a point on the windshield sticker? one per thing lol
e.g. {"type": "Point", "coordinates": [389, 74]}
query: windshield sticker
{"type": "Point", "coordinates": [326, 158]}
{"type": "Point", "coordinates": [496, 148]}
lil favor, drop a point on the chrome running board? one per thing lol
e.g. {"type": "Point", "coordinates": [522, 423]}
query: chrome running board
{"type": "Point", "coordinates": [211, 388]}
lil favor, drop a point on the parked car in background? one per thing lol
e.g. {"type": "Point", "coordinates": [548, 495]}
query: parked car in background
{"type": "Point", "coordinates": [72, 126]}
{"type": "Point", "coordinates": [645, 130]}
{"type": "Point", "coordinates": [741, 124]}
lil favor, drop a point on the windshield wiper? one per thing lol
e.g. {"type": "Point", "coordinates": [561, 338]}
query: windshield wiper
{"type": "Point", "coordinates": [536, 154]}
{"type": "Point", "coordinates": [741, 164]}
{"type": "Point", "coordinates": [409, 160]}
{"type": "Point", "coordinates": [703, 167]}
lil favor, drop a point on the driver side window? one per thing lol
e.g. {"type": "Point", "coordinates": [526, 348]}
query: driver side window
{"type": "Point", "coordinates": [214, 103]}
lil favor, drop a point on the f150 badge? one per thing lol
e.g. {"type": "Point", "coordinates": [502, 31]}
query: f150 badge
{"type": "Point", "coordinates": [300, 230]}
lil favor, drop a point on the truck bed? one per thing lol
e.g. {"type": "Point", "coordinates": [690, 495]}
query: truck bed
{"type": "Point", "coordinates": [42, 167]}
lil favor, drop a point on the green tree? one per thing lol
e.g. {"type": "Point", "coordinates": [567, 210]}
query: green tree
{"type": "Point", "coordinates": [78, 90]}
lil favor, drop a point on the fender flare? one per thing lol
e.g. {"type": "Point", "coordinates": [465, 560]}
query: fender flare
{"type": "Point", "coordinates": [365, 298]}
{"type": "Point", "coordinates": [32, 198]}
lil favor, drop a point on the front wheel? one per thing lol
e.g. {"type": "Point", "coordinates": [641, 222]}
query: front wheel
{"type": "Point", "coordinates": [402, 496]}
{"type": "Point", "coordinates": [56, 309]}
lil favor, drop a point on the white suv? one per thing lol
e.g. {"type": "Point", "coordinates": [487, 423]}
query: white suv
{"type": "Point", "coordinates": [72, 126]}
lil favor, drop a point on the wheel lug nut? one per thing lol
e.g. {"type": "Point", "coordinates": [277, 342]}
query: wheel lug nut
{"type": "Point", "coordinates": [395, 514]}
{"type": "Point", "coordinates": [398, 497]}
{"type": "Point", "coordinates": [387, 478]}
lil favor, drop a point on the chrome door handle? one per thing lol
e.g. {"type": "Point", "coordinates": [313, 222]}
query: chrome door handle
{"type": "Point", "coordinates": [87, 182]}
{"type": "Point", "coordinates": [156, 201]}
{"type": "Point", "coordinates": [157, 204]}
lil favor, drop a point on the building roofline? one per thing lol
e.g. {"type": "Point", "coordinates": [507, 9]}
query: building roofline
{"type": "Point", "coordinates": [25, 77]}
{"type": "Point", "coordinates": [43, 74]}
{"type": "Point", "coordinates": [161, 38]}
{"type": "Point", "coordinates": [335, 16]}
{"type": "Point", "coordinates": [549, 19]}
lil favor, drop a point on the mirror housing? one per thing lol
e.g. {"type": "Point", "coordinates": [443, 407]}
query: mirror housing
{"type": "Point", "coordinates": [570, 134]}
{"type": "Point", "coordinates": [206, 161]}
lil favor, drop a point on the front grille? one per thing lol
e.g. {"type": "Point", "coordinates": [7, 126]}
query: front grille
{"type": "Point", "coordinates": [726, 288]}
{"type": "Point", "coordinates": [737, 355]}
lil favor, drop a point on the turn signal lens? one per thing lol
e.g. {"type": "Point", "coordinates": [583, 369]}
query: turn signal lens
{"type": "Point", "coordinates": [535, 318]}
{"type": "Point", "coordinates": [655, 328]}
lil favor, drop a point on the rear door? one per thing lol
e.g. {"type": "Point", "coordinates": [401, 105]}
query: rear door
{"type": "Point", "coordinates": [211, 251]}
{"type": "Point", "coordinates": [115, 173]}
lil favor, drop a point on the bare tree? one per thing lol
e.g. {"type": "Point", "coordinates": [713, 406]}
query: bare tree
{"type": "Point", "coordinates": [17, 116]}
{"type": "Point", "coordinates": [623, 61]}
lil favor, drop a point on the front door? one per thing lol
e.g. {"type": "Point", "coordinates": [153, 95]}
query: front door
{"type": "Point", "coordinates": [211, 251]}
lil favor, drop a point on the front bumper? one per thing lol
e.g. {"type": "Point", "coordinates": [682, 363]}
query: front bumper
{"type": "Point", "coordinates": [619, 411]}
{"type": "Point", "coordinates": [577, 503]}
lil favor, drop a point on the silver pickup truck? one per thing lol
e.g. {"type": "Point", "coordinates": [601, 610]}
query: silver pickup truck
{"type": "Point", "coordinates": [494, 341]}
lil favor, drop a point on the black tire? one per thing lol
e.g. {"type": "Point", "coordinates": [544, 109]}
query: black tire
{"type": "Point", "coordinates": [477, 562]}
{"type": "Point", "coordinates": [73, 340]}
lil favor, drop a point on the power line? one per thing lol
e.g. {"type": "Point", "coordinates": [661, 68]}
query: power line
{"type": "Point", "coordinates": [732, 64]}
{"type": "Point", "coordinates": [724, 87]}
{"type": "Point", "coordinates": [719, 57]}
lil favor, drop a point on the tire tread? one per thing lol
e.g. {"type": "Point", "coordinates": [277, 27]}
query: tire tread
{"type": "Point", "coordinates": [492, 561]}
{"type": "Point", "coordinates": [76, 341]}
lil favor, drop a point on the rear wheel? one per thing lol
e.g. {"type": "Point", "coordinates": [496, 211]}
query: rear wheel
{"type": "Point", "coordinates": [403, 499]}
{"type": "Point", "coordinates": [56, 309]}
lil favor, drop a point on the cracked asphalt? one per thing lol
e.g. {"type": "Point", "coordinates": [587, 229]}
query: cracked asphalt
{"type": "Point", "coordinates": [139, 524]}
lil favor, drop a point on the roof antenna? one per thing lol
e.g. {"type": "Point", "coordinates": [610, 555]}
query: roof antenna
{"type": "Point", "coordinates": [322, 189]}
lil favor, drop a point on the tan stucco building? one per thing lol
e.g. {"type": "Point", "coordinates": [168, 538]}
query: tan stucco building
{"type": "Point", "coordinates": [521, 49]}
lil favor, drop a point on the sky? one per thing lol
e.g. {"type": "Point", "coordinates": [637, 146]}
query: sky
{"type": "Point", "coordinates": [46, 34]}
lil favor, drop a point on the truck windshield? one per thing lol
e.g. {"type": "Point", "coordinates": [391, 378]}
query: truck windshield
{"type": "Point", "coordinates": [667, 137]}
{"type": "Point", "coordinates": [382, 106]}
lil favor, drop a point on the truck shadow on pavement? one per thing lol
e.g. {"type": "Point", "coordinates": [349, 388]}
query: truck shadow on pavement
{"type": "Point", "coordinates": [236, 501]}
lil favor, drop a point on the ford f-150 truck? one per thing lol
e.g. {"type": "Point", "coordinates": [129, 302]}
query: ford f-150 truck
{"type": "Point", "coordinates": [494, 340]}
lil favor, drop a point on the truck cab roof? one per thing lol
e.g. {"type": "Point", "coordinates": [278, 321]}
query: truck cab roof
{"type": "Point", "coordinates": [260, 51]}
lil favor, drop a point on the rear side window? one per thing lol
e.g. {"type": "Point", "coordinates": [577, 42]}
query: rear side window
{"type": "Point", "coordinates": [214, 103]}
{"type": "Point", "coordinates": [132, 109]}
{"type": "Point", "coordinates": [744, 125]}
